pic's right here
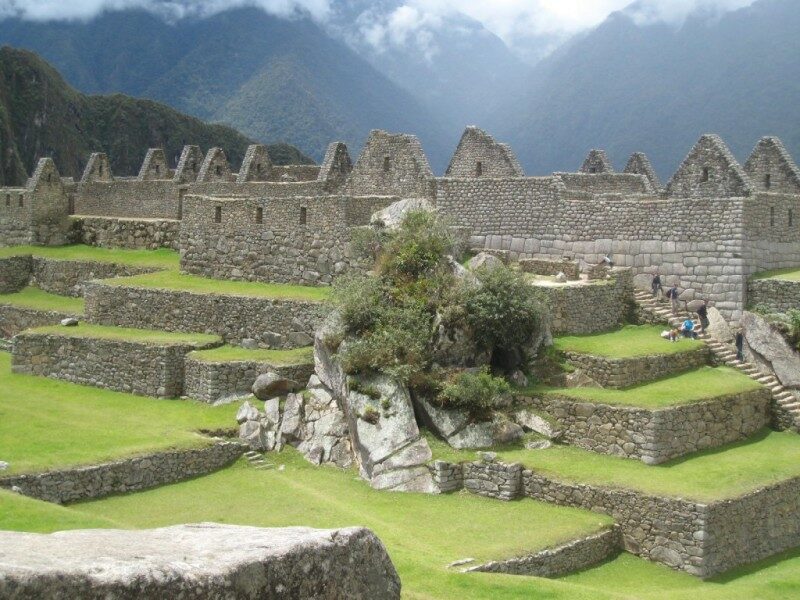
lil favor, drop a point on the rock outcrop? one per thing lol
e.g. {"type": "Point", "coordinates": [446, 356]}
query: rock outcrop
{"type": "Point", "coordinates": [767, 348]}
{"type": "Point", "coordinates": [205, 560]}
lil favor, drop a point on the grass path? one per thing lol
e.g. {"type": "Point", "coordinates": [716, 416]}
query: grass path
{"type": "Point", "coordinates": [127, 334]}
{"type": "Point", "coordinates": [629, 342]}
{"type": "Point", "coordinates": [162, 258]}
{"type": "Point", "coordinates": [36, 299]}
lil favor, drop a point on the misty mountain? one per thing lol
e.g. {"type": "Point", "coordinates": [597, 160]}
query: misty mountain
{"type": "Point", "coordinates": [656, 88]}
{"type": "Point", "coordinates": [455, 66]}
{"type": "Point", "coordinates": [273, 79]}
{"type": "Point", "coordinates": [40, 115]}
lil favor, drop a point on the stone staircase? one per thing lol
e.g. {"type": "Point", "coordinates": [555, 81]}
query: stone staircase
{"type": "Point", "coordinates": [786, 406]}
{"type": "Point", "coordinates": [256, 459]}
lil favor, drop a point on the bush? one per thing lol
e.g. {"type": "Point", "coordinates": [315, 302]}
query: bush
{"type": "Point", "coordinates": [360, 300]}
{"type": "Point", "coordinates": [794, 319]}
{"type": "Point", "coordinates": [417, 249]}
{"type": "Point", "coordinates": [505, 311]}
{"type": "Point", "coordinates": [474, 392]}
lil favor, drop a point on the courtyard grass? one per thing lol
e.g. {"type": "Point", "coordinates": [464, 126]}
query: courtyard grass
{"type": "Point", "coordinates": [791, 274]}
{"type": "Point", "coordinates": [20, 513]}
{"type": "Point", "coordinates": [36, 299]}
{"type": "Point", "coordinates": [182, 282]}
{"type": "Point", "coordinates": [701, 384]}
{"type": "Point", "coordinates": [46, 424]}
{"type": "Point", "coordinates": [422, 534]}
{"type": "Point", "coordinates": [127, 334]}
{"type": "Point", "coordinates": [726, 472]}
{"type": "Point", "coordinates": [163, 258]}
{"type": "Point", "coordinates": [629, 342]}
{"type": "Point", "coordinates": [278, 358]}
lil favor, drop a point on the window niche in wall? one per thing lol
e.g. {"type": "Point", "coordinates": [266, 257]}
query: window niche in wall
{"type": "Point", "coordinates": [772, 216]}
{"type": "Point", "coordinates": [303, 215]}
{"type": "Point", "coordinates": [705, 175]}
{"type": "Point", "coordinates": [791, 217]}
{"type": "Point", "coordinates": [478, 169]}
{"type": "Point", "coordinates": [259, 215]}
{"type": "Point", "coordinates": [387, 163]}
{"type": "Point", "coordinates": [8, 199]}
{"type": "Point", "coordinates": [218, 214]}
{"type": "Point", "coordinates": [767, 181]}
{"type": "Point", "coordinates": [21, 201]}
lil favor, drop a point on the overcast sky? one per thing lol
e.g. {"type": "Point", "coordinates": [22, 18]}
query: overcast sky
{"type": "Point", "coordinates": [510, 19]}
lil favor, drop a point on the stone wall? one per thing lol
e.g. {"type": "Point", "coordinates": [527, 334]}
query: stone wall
{"type": "Point", "coordinates": [570, 557]}
{"type": "Point", "coordinates": [537, 217]}
{"type": "Point", "coordinates": [302, 240]}
{"type": "Point", "coordinates": [14, 319]}
{"type": "Point", "coordinates": [656, 436]}
{"type": "Point", "coordinates": [272, 323]}
{"type": "Point", "coordinates": [596, 307]}
{"type": "Point", "coordinates": [606, 183]}
{"type": "Point", "coordinates": [117, 232]}
{"type": "Point", "coordinates": [479, 155]}
{"type": "Point", "coordinates": [15, 217]}
{"type": "Point", "coordinates": [210, 381]}
{"type": "Point", "coordinates": [131, 198]}
{"type": "Point", "coordinates": [15, 272]}
{"type": "Point", "coordinates": [67, 277]}
{"type": "Point", "coordinates": [447, 477]}
{"type": "Point", "coordinates": [746, 529]}
{"type": "Point", "coordinates": [625, 372]}
{"type": "Point", "coordinates": [543, 266]}
{"type": "Point", "coordinates": [124, 476]}
{"type": "Point", "coordinates": [125, 366]}
{"type": "Point", "coordinates": [777, 294]}
{"type": "Point", "coordinates": [493, 479]}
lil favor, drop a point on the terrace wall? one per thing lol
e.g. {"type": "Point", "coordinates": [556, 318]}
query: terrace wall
{"type": "Point", "coordinates": [779, 295]}
{"type": "Point", "coordinates": [15, 319]}
{"type": "Point", "coordinates": [210, 381]}
{"type": "Point", "coordinates": [124, 476]}
{"type": "Point", "coordinates": [656, 436]}
{"type": "Point", "coordinates": [125, 366]}
{"type": "Point", "coordinates": [271, 323]}
{"type": "Point", "coordinates": [625, 372]}
{"type": "Point", "coordinates": [15, 272]}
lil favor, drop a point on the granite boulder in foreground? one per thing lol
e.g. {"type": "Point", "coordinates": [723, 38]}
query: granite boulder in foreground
{"type": "Point", "coordinates": [205, 560]}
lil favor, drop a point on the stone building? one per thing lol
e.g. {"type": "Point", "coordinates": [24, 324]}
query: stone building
{"type": "Point", "coordinates": [713, 225]}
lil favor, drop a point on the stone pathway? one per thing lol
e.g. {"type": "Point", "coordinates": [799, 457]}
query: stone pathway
{"type": "Point", "coordinates": [783, 399]}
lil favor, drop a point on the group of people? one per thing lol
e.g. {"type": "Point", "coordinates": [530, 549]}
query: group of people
{"type": "Point", "coordinates": [672, 294]}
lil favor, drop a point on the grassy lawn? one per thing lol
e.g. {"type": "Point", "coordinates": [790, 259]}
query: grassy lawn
{"type": "Point", "coordinates": [421, 533]}
{"type": "Point", "coordinates": [33, 297]}
{"type": "Point", "coordinates": [701, 384]}
{"type": "Point", "coordinates": [792, 274]}
{"type": "Point", "coordinates": [146, 336]}
{"type": "Point", "coordinates": [726, 472]}
{"type": "Point", "coordinates": [628, 342]}
{"type": "Point", "coordinates": [237, 353]}
{"type": "Point", "coordinates": [162, 258]}
{"type": "Point", "coordinates": [171, 280]}
{"type": "Point", "coordinates": [47, 424]}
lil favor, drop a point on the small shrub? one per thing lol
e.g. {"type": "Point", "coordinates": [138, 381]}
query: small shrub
{"type": "Point", "coordinates": [417, 248]}
{"type": "Point", "coordinates": [370, 414]}
{"type": "Point", "coordinates": [386, 404]}
{"type": "Point", "coordinates": [368, 390]}
{"type": "Point", "coordinates": [474, 392]}
{"type": "Point", "coordinates": [794, 320]}
{"type": "Point", "coordinates": [761, 309]}
{"type": "Point", "coordinates": [360, 300]}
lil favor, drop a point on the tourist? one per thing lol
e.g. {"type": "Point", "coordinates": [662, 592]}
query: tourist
{"type": "Point", "coordinates": [672, 294]}
{"type": "Point", "coordinates": [739, 346]}
{"type": "Point", "coordinates": [688, 329]}
{"type": "Point", "coordinates": [656, 285]}
{"type": "Point", "coordinates": [702, 312]}
{"type": "Point", "coordinates": [607, 261]}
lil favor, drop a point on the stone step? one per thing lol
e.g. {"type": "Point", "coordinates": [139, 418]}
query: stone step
{"type": "Point", "coordinates": [787, 395]}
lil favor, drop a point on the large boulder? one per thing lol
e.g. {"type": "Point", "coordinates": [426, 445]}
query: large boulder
{"type": "Point", "coordinates": [383, 430]}
{"type": "Point", "coordinates": [271, 385]}
{"type": "Point", "coordinates": [328, 341]}
{"type": "Point", "coordinates": [768, 348]}
{"type": "Point", "coordinates": [392, 216]}
{"type": "Point", "coordinates": [484, 260]}
{"type": "Point", "coordinates": [444, 422]}
{"type": "Point", "coordinates": [473, 436]}
{"type": "Point", "coordinates": [530, 421]}
{"type": "Point", "coordinates": [718, 327]}
{"type": "Point", "coordinates": [205, 560]}
{"type": "Point", "coordinates": [326, 438]}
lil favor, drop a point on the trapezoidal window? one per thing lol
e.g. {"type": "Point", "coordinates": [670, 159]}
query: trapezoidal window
{"type": "Point", "coordinates": [21, 201]}
{"type": "Point", "coordinates": [791, 217]}
{"type": "Point", "coordinates": [478, 169]}
{"type": "Point", "coordinates": [303, 215]}
{"type": "Point", "coordinates": [218, 214]}
{"type": "Point", "coordinates": [8, 199]}
{"type": "Point", "coordinates": [157, 169]}
{"type": "Point", "coordinates": [259, 215]}
{"type": "Point", "coordinates": [100, 169]}
{"type": "Point", "coordinates": [593, 170]}
{"type": "Point", "coordinates": [387, 163]}
{"type": "Point", "coordinates": [706, 173]}
{"type": "Point", "coordinates": [767, 181]}
{"type": "Point", "coordinates": [772, 216]}
{"type": "Point", "coordinates": [218, 170]}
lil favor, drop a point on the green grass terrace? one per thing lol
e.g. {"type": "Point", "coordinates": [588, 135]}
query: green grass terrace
{"type": "Point", "coordinates": [726, 472]}
{"type": "Point", "coordinates": [182, 282]}
{"type": "Point", "coordinates": [47, 424]}
{"type": "Point", "coordinates": [792, 274]}
{"type": "Point", "coordinates": [629, 342]}
{"type": "Point", "coordinates": [162, 258]}
{"type": "Point", "coordinates": [36, 299]}
{"type": "Point", "coordinates": [701, 384]}
{"type": "Point", "coordinates": [227, 353]}
{"type": "Point", "coordinates": [125, 334]}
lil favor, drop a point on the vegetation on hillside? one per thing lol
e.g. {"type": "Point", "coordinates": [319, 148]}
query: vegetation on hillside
{"type": "Point", "coordinates": [40, 115]}
{"type": "Point", "coordinates": [393, 317]}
